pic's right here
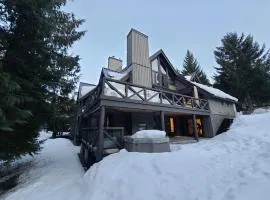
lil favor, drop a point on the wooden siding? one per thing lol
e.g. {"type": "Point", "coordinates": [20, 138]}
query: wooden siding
{"type": "Point", "coordinates": [141, 75]}
{"type": "Point", "coordinates": [138, 58]}
{"type": "Point", "coordinates": [137, 48]}
{"type": "Point", "coordinates": [219, 111]}
{"type": "Point", "coordinates": [222, 108]}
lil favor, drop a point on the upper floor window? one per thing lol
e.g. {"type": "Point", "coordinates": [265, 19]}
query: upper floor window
{"type": "Point", "coordinates": [155, 65]}
{"type": "Point", "coordinates": [159, 74]}
{"type": "Point", "coordinates": [162, 70]}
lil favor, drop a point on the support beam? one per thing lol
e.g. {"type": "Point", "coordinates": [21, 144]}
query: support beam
{"type": "Point", "coordinates": [77, 133]}
{"type": "Point", "coordinates": [162, 120]}
{"type": "Point", "coordinates": [195, 128]}
{"type": "Point", "coordinates": [101, 134]}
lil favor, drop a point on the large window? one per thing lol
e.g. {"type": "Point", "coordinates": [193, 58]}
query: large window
{"type": "Point", "coordinates": [162, 70]}
{"type": "Point", "coordinates": [155, 77]}
{"type": "Point", "coordinates": [159, 74]}
{"type": "Point", "coordinates": [155, 65]}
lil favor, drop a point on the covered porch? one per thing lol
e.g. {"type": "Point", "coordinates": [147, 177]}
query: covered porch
{"type": "Point", "coordinates": [104, 129]}
{"type": "Point", "coordinates": [179, 126]}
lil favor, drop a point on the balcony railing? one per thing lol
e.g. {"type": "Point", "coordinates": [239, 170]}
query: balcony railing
{"type": "Point", "coordinates": [130, 92]}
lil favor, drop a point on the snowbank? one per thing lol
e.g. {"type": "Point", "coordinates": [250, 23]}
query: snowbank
{"type": "Point", "coordinates": [261, 110]}
{"type": "Point", "coordinates": [55, 174]}
{"type": "Point", "coordinates": [233, 165]}
{"type": "Point", "coordinates": [149, 134]}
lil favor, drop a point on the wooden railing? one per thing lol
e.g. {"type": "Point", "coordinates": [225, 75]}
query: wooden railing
{"type": "Point", "coordinates": [131, 92]}
{"type": "Point", "coordinates": [115, 135]}
{"type": "Point", "coordinates": [90, 137]}
{"type": "Point", "coordinates": [89, 99]}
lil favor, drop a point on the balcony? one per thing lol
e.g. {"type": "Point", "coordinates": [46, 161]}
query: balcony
{"type": "Point", "coordinates": [129, 92]}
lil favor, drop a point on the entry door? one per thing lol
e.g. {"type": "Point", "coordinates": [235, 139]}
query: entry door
{"type": "Point", "coordinates": [199, 126]}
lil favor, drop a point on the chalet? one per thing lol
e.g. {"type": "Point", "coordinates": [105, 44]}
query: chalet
{"type": "Point", "coordinates": [146, 94]}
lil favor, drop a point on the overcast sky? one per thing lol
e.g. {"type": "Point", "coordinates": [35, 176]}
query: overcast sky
{"type": "Point", "coordinates": [172, 25]}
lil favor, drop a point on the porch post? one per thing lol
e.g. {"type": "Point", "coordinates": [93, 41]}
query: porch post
{"type": "Point", "coordinates": [162, 120]}
{"type": "Point", "coordinates": [195, 127]}
{"type": "Point", "coordinates": [101, 134]}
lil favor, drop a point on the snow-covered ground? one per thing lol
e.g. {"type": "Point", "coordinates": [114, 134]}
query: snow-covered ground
{"type": "Point", "coordinates": [233, 165]}
{"type": "Point", "coordinates": [55, 174]}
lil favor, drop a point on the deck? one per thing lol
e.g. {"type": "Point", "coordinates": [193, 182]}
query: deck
{"type": "Point", "coordinates": [114, 93]}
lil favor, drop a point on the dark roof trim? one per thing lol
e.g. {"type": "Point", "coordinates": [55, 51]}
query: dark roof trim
{"type": "Point", "coordinates": [159, 53]}
{"type": "Point", "coordinates": [181, 78]}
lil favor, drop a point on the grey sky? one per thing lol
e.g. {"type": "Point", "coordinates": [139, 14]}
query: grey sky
{"type": "Point", "coordinates": [172, 25]}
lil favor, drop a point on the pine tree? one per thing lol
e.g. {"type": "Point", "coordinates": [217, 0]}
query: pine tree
{"type": "Point", "coordinates": [193, 69]}
{"type": "Point", "coordinates": [243, 70]}
{"type": "Point", "coordinates": [35, 67]}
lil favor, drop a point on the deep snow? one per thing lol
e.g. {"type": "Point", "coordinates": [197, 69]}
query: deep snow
{"type": "Point", "coordinates": [233, 165]}
{"type": "Point", "coordinates": [149, 134]}
{"type": "Point", "coordinates": [55, 173]}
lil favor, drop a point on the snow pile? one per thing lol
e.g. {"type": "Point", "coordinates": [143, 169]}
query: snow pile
{"type": "Point", "coordinates": [215, 92]}
{"type": "Point", "coordinates": [261, 110]}
{"type": "Point", "coordinates": [116, 75]}
{"type": "Point", "coordinates": [149, 134]}
{"type": "Point", "coordinates": [233, 165]}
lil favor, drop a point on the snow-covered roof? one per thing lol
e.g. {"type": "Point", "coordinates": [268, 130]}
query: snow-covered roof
{"type": "Point", "coordinates": [116, 75]}
{"type": "Point", "coordinates": [188, 78]}
{"type": "Point", "coordinates": [216, 92]}
{"type": "Point", "coordinates": [85, 88]}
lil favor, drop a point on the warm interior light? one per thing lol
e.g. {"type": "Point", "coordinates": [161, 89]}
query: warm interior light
{"type": "Point", "coordinates": [172, 124]}
{"type": "Point", "coordinates": [199, 126]}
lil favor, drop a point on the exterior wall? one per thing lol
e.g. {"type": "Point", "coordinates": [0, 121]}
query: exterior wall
{"type": "Point", "coordinates": [208, 131]}
{"type": "Point", "coordinates": [142, 118]}
{"type": "Point", "coordinates": [114, 64]}
{"type": "Point", "coordinates": [220, 111]}
{"type": "Point", "coordinates": [222, 108]}
{"type": "Point", "coordinates": [142, 75]}
{"type": "Point", "coordinates": [179, 85]}
{"type": "Point", "coordinates": [216, 121]}
{"type": "Point", "coordinates": [138, 58]}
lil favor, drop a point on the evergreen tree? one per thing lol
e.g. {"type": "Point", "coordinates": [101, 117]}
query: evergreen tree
{"type": "Point", "coordinates": [243, 70]}
{"type": "Point", "coordinates": [193, 69]}
{"type": "Point", "coordinates": [35, 68]}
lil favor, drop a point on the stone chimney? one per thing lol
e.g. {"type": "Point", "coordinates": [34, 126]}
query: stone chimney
{"type": "Point", "coordinates": [114, 64]}
{"type": "Point", "coordinates": [138, 58]}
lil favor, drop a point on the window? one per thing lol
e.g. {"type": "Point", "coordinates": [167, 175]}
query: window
{"type": "Point", "coordinates": [171, 125]}
{"type": "Point", "coordinates": [164, 80]}
{"type": "Point", "coordinates": [159, 74]}
{"type": "Point", "coordinates": [162, 69]}
{"type": "Point", "coordinates": [155, 78]}
{"type": "Point", "coordinates": [155, 65]}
